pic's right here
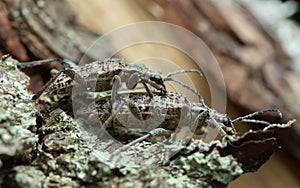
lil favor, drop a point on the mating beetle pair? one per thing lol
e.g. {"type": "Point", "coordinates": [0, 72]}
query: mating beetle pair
{"type": "Point", "coordinates": [100, 74]}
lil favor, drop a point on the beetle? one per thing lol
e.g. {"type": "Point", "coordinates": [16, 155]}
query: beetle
{"type": "Point", "coordinates": [138, 114]}
{"type": "Point", "coordinates": [98, 75]}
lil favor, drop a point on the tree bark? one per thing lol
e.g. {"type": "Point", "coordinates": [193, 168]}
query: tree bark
{"type": "Point", "coordinates": [40, 30]}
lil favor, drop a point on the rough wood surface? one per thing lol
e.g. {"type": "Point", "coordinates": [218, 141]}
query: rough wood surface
{"type": "Point", "coordinates": [42, 29]}
{"type": "Point", "coordinates": [39, 30]}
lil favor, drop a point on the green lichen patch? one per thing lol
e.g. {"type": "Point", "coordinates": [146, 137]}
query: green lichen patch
{"type": "Point", "coordinates": [196, 164]}
{"type": "Point", "coordinates": [17, 119]}
{"type": "Point", "coordinates": [25, 177]}
{"type": "Point", "coordinates": [65, 151]}
{"type": "Point", "coordinates": [213, 168]}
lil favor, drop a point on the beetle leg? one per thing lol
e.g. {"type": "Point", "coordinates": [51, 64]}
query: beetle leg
{"type": "Point", "coordinates": [45, 87]}
{"type": "Point", "coordinates": [134, 79]}
{"type": "Point", "coordinates": [116, 84]}
{"type": "Point", "coordinates": [134, 109]}
{"type": "Point", "coordinates": [152, 133]}
{"type": "Point", "coordinates": [68, 71]}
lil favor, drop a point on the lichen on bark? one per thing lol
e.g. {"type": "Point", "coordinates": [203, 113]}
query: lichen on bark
{"type": "Point", "coordinates": [17, 120]}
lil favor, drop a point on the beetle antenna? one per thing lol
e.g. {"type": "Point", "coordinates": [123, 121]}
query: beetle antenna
{"type": "Point", "coordinates": [245, 118]}
{"type": "Point", "coordinates": [184, 71]}
{"type": "Point", "coordinates": [63, 62]}
{"type": "Point", "coordinates": [254, 121]}
{"type": "Point", "coordinates": [187, 87]}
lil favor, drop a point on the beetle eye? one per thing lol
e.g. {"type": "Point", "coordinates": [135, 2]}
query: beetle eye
{"type": "Point", "coordinates": [228, 125]}
{"type": "Point", "coordinates": [227, 122]}
{"type": "Point", "coordinates": [157, 78]}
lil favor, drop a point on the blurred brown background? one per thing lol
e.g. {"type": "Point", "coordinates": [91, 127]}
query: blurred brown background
{"type": "Point", "coordinates": [254, 43]}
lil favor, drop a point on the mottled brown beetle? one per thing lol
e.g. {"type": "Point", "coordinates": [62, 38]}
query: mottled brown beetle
{"type": "Point", "coordinates": [98, 75]}
{"type": "Point", "coordinates": [135, 108]}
